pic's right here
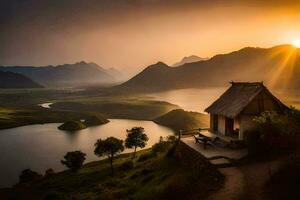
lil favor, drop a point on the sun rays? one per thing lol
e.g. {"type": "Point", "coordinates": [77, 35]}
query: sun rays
{"type": "Point", "coordinates": [296, 43]}
{"type": "Point", "coordinates": [284, 71]}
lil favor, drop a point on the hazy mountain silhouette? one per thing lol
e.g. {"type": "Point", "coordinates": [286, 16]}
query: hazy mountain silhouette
{"type": "Point", "coordinates": [118, 75]}
{"type": "Point", "coordinates": [77, 74]}
{"type": "Point", "coordinates": [278, 66]}
{"type": "Point", "coordinates": [14, 80]}
{"type": "Point", "coordinates": [189, 59]}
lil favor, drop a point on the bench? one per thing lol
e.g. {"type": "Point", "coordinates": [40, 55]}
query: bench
{"type": "Point", "coordinates": [202, 139]}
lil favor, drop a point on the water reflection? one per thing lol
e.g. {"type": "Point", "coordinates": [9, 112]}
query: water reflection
{"type": "Point", "coordinates": [40, 147]}
{"type": "Point", "coordinates": [46, 105]}
{"type": "Point", "coordinates": [190, 99]}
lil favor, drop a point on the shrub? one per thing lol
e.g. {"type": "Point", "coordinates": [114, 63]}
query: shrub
{"type": "Point", "coordinates": [161, 146]}
{"type": "Point", "coordinates": [74, 160]}
{"type": "Point", "coordinates": [253, 141]}
{"type": "Point", "coordinates": [28, 175]}
{"type": "Point", "coordinates": [49, 172]}
{"type": "Point", "coordinates": [127, 165]}
{"type": "Point", "coordinates": [277, 131]}
{"type": "Point", "coordinates": [172, 150]}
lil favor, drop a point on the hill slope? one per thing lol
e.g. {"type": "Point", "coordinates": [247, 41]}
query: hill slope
{"type": "Point", "coordinates": [14, 80]}
{"type": "Point", "coordinates": [77, 74]}
{"type": "Point", "coordinates": [277, 66]}
{"type": "Point", "coordinates": [183, 120]}
{"type": "Point", "coordinates": [152, 176]}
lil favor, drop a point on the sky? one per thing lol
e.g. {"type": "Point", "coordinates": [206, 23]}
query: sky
{"type": "Point", "coordinates": [132, 34]}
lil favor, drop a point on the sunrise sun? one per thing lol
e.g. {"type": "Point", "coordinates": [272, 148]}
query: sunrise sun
{"type": "Point", "coordinates": [296, 43]}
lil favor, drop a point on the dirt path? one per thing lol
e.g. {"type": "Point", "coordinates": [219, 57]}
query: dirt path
{"type": "Point", "coordinates": [246, 182]}
{"type": "Point", "coordinates": [233, 186]}
{"type": "Point", "coordinates": [255, 177]}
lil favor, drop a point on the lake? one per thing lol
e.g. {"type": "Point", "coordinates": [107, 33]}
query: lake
{"type": "Point", "coordinates": [190, 99]}
{"type": "Point", "coordinates": [40, 147]}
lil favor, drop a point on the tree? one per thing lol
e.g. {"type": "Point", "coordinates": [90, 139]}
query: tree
{"type": "Point", "coordinates": [74, 160]}
{"type": "Point", "coordinates": [109, 147]}
{"type": "Point", "coordinates": [136, 137]}
{"type": "Point", "coordinates": [28, 175]}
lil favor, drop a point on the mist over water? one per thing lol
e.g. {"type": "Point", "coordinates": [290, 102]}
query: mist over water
{"type": "Point", "coordinates": [190, 99]}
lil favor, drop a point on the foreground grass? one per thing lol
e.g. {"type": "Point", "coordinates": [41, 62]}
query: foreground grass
{"type": "Point", "coordinates": [157, 177]}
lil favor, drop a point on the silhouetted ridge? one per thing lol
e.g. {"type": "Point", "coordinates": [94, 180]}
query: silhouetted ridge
{"type": "Point", "coordinates": [247, 64]}
{"type": "Point", "coordinates": [14, 80]}
{"type": "Point", "coordinates": [80, 73]}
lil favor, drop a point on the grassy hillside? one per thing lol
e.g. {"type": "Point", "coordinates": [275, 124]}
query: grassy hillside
{"type": "Point", "coordinates": [158, 177]}
{"type": "Point", "coordinates": [183, 120]}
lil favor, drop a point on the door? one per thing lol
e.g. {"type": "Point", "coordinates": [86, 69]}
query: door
{"type": "Point", "coordinates": [215, 123]}
{"type": "Point", "coordinates": [229, 126]}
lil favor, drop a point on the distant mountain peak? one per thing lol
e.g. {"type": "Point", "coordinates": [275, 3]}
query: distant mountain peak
{"type": "Point", "coordinates": [77, 74]}
{"type": "Point", "coordinates": [247, 64]}
{"type": "Point", "coordinates": [189, 59]}
{"type": "Point", "coordinates": [159, 65]}
{"type": "Point", "coordinates": [82, 63]}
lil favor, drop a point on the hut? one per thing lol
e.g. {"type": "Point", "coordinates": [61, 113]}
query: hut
{"type": "Point", "coordinates": [232, 114]}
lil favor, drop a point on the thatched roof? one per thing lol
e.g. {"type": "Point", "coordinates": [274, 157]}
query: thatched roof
{"type": "Point", "coordinates": [237, 97]}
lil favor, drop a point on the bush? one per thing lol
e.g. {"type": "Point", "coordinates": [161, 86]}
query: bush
{"type": "Point", "coordinates": [127, 165]}
{"type": "Point", "coordinates": [74, 160]}
{"type": "Point", "coordinates": [253, 141]}
{"type": "Point", "coordinates": [28, 175]}
{"type": "Point", "coordinates": [172, 150]}
{"type": "Point", "coordinates": [162, 145]}
{"type": "Point", "coordinates": [49, 172]}
{"type": "Point", "coordinates": [276, 132]}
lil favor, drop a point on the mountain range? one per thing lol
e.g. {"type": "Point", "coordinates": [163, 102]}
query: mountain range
{"type": "Point", "coordinates": [189, 59]}
{"type": "Point", "coordinates": [13, 80]}
{"type": "Point", "coordinates": [67, 75]}
{"type": "Point", "coordinates": [278, 67]}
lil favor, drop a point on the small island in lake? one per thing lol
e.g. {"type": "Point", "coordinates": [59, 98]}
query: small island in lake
{"type": "Point", "coordinates": [72, 125]}
{"type": "Point", "coordinates": [95, 120]}
{"type": "Point", "coordinates": [75, 125]}
{"type": "Point", "coordinates": [179, 119]}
